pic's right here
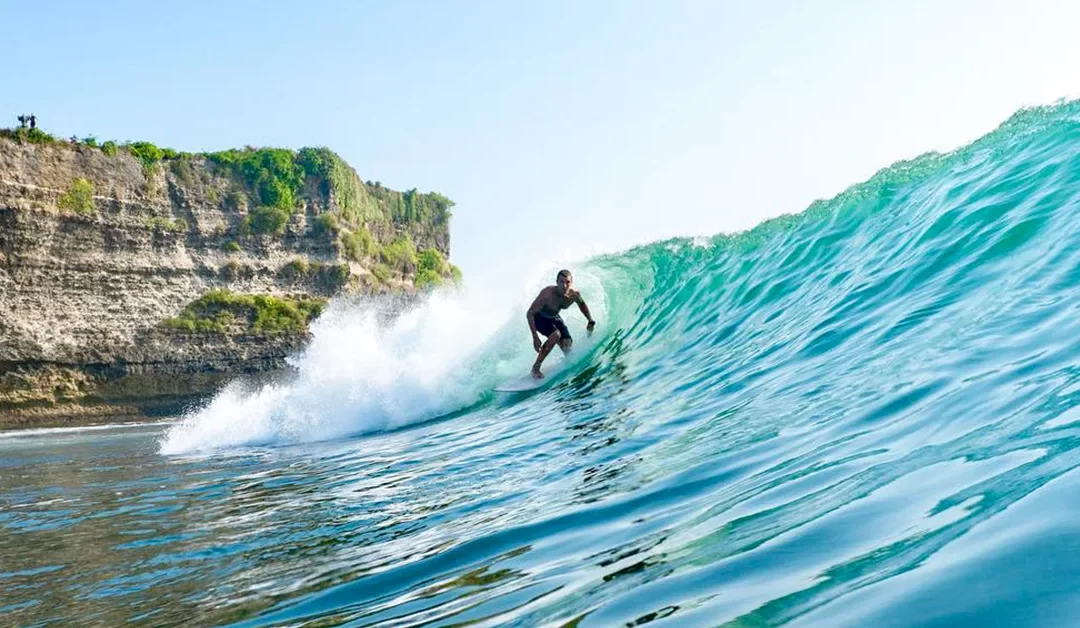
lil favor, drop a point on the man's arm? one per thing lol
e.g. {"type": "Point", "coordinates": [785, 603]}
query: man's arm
{"type": "Point", "coordinates": [531, 315]}
{"type": "Point", "coordinates": [585, 310]}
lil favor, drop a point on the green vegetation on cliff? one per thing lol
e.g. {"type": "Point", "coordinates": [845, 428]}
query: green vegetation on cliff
{"type": "Point", "coordinates": [221, 311]}
{"type": "Point", "coordinates": [358, 245]}
{"type": "Point", "coordinates": [79, 198]}
{"type": "Point", "coordinates": [367, 222]}
{"type": "Point", "coordinates": [146, 152]}
{"type": "Point", "coordinates": [270, 175]}
{"type": "Point", "coordinates": [400, 254]}
{"type": "Point", "coordinates": [432, 268]}
{"type": "Point", "coordinates": [175, 225]}
{"type": "Point", "coordinates": [327, 277]}
{"type": "Point", "coordinates": [266, 220]}
{"type": "Point", "coordinates": [338, 180]}
{"type": "Point", "coordinates": [276, 181]}
{"type": "Point", "coordinates": [381, 272]}
{"type": "Point", "coordinates": [25, 135]}
{"type": "Point", "coordinates": [278, 178]}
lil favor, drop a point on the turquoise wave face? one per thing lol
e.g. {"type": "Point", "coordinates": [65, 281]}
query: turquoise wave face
{"type": "Point", "coordinates": [864, 414]}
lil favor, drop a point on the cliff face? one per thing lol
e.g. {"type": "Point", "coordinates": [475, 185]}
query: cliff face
{"type": "Point", "coordinates": [105, 255]}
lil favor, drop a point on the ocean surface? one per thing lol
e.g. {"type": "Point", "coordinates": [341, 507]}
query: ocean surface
{"type": "Point", "coordinates": [863, 414]}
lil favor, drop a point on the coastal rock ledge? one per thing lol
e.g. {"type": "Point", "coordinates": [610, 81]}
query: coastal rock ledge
{"type": "Point", "coordinates": [135, 280]}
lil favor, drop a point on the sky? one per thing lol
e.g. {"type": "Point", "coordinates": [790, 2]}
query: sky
{"type": "Point", "coordinates": [560, 128]}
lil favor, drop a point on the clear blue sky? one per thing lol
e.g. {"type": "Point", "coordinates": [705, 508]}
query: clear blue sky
{"type": "Point", "coordinates": [557, 126]}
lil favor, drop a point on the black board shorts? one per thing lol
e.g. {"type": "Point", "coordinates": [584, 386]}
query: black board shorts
{"type": "Point", "coordinates": [548, 324]}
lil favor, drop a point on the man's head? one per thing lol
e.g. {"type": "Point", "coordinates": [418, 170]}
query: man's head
{"type": "Point", "coordinates": [564, 280]}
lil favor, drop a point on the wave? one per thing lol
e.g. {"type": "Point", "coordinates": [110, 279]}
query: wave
{"type": "Point", "coordinates": [901, 270]}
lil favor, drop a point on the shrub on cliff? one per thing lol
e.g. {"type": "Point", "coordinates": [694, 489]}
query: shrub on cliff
{"type": "Point", "coordinates": [178, 225]}
{"type": "Point", "coordinates": [400, 254]}
{"type": "Point", "coordinates": [266, 220]}
{"type": "Point", "coordinates": [382, 272]}
{"type": "Point", "coordinates": [274, 315]}
{"type": "Point", "coordinates": [221, 311]}
{"type": "Point", "coordinates": [413, 206]}
{"type": "Point", "coordinates": [79, 198]}
{"type": "Point", "coordinates": [270, 174]}
{"type": "Point", "coordinates": [145, 152]}
{"type": "Point", "coordinates": [276, 194]}
{"type": "Point", "coordinates": [110, 148]}
{"type": "Point", "coordinates": [182, 169]}
{"type": "Point", "coordinates": [427, 278]}
{"type": "Point", "coordinates": [431, 267]}
{"type": "Point", "coordinates": [327, 225]}
{"type": "Point", "coordinates": [431, 259]}
{"type": "Point", "coordinates": [24, 135]}
{"type": "Point", "coordinates": [295, 270]}
{"type": "Point", "coordinates": [440, 207]}
{"type": "Point", "coordinates": [359, 245]}
{"type": "Point", "coordinates": [233, 270]}
{"type": "Point", "coordinates": [235, 200]}
{"type": "Point", "coordinates": [341, 180]}
{"type": "Point", "coordinates": [317, 162]}
{"type": "Point", "coordinates": [331, 277]}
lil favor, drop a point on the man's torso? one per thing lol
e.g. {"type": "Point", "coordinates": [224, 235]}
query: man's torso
{"type": "Point", "coordinates": [553, 302]}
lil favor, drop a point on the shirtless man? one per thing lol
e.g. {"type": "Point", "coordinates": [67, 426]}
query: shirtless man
{"type": "Point", "coordinates": [544, 317]}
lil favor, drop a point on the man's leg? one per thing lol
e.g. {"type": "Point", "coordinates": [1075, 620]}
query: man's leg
{"type": "Point", "coordinates": [549, 344]}
{"type": "Point", "coordinates": [565, 341]}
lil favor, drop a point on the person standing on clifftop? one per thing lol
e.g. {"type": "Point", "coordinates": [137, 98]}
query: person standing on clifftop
{"type": "Point", "coordinates": [544, 317]}
{"type": "Point", "coordinates": [33, 121]}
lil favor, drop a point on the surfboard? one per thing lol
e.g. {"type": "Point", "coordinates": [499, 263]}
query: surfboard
{"type": "Point", "coordinates": [524, 383]}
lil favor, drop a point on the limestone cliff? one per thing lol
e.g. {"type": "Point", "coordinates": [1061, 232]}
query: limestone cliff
{"type": "Point", "coordinates": [126, 273]}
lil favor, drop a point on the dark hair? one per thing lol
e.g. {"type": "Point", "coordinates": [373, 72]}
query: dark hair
{"type": "Point", "coordinates": [560, 275]}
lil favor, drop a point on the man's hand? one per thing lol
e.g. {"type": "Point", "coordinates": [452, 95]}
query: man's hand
{"type": "Point", "coordinates": [537, 344]}
{"type": "Point", "coordinates": [590, 327]}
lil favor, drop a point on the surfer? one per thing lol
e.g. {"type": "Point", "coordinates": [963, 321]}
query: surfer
{"type": "Point", "coordinates": [544, 317]}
